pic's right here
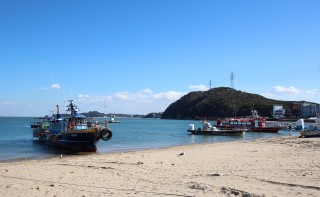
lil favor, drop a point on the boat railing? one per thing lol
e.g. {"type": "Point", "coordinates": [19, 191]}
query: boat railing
{"type": "Point", "coordinates": [80, 127]}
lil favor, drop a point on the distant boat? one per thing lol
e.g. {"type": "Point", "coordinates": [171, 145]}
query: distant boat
{"type": "Point", "coordinates": [74, 132]}
{"type": "Point", "coordinates": [112, 120]}
{"type": "Point", "coordinates": [207, 129]}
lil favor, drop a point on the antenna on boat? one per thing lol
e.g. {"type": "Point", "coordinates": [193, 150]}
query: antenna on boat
{"type": "Point", "coordinates": [52, 105]}
{"type": "Point", "coordinates": [64, 99]}
{"type": "Point", "coordinates": [64, 104]}
{"type": "Point", "coordinates": [72, 108]}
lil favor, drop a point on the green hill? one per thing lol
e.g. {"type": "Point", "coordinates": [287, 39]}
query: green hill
{"type": "Point", "coordinates": [221, 102]}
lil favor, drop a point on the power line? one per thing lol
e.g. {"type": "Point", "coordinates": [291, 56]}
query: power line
{"type": "Point", "coordinates": [289, 72]}
{"type": "Point", "coordinates": [232, 79]}
{"type": "Point", "coordinates": [296, 74]}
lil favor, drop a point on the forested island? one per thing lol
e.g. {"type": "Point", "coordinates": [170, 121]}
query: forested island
{"type": "Point", "coordinates": [99, 114]}
{"type": "Point", "coordinates": [224, 102]}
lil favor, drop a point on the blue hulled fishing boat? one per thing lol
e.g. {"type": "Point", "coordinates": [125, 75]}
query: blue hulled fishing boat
{"type": "Point", "coordinates": [75, 131]}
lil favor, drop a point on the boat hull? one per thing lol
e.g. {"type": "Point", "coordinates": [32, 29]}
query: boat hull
{"type": "Point", "coordinates": [310, 134]}
{"type": "Point", "coordinates": [266, 129]}
{"type": "Point", "coordinates": [82, 141]}
{"type": "Point", "coordinates": [218, 133]}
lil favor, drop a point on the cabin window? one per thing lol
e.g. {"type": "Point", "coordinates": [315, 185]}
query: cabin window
{"type": "Point", "coordinates": [56, 127]}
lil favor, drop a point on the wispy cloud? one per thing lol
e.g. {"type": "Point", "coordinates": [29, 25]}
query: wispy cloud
{"type": "Point", "coordinates": [290, 90]}
{"type": "Point", "coordinates": [311, 91]}
{"type": "Point", "coordinates": [140, 96]}
{"type": "Point", "coordinates": [169, 95]}
{"type": "Point", "coordinates": [52, 86]}
{"type": "Point", "coordinates": [146, 91]}
{"type": "Point", "coordinates": [143, 101]}
{"type": "Point", "coordinates": [55, 86]}
{"type": "Point", "coordinates": [198, 88]}
{"type": "Point", "coordinates": [86, 98]}
{"type": "Point", "coordinates": [11, 103]}
{"type": "Point", "coordinates": [291, 93]}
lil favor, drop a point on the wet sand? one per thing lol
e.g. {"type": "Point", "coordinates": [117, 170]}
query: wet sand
{"type": "Point", "coordinates": [286, 166]}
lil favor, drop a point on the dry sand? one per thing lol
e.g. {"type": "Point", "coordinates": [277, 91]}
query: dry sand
{"type": "Point", "coordinates": [287, 166]}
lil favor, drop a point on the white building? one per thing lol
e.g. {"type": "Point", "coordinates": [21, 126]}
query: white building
{"type": "Point", "coordinates": [278, 111]}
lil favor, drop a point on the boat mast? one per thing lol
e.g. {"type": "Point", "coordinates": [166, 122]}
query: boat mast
{"type": "Point", "coordinates": [72, 108]}
{"type": "Point", "coordinates": [105, 108]}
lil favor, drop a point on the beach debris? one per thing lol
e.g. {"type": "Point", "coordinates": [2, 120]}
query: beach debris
{"type": "Point", "coordinates": [198, 186]}
{"type": "Point", "coordinates": [235, 192]}
{"type": "Point", "coordinates": [181, 154]}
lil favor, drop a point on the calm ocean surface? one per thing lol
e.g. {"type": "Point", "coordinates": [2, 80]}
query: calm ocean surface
{"type": "Point", "coordinates": [16, 140]}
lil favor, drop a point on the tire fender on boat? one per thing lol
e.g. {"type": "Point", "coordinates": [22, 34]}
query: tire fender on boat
{"type": "Point", "coordinates": [54, 138]}
{"type": "Point", "coordinates": [106, 134]}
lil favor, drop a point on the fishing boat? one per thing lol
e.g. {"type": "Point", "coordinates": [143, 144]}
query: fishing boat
{"type": "Point", "coordinates": [207, 129]}
{"type": "Point", "coordinates": [74, 132]}
{"type": "Point", "coordinates": [254, 123]}
{"type": "Point", "coordinates": [259, 125]}
{"type": "Point", "coordinates": [251, 124]}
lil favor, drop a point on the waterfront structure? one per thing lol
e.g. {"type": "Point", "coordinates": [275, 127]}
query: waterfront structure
{"type": "Point", "coordinates": [307, 109]}
{"type": "Point", "coordinates": [278, 111]}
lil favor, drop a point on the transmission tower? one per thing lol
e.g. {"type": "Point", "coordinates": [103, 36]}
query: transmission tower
{"type": "Point", "coordinates": [232, 79]}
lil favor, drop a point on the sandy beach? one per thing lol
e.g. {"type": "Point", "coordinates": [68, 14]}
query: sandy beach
{"type": "Point", "coordinates": [286, 166]}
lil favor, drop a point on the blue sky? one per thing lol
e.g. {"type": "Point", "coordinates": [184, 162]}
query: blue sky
{"type": "Point", "coordinates": [139, 56]}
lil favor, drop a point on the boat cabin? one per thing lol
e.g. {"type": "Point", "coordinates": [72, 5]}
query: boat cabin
{"type": "Point", "coordinates": [243, 123]}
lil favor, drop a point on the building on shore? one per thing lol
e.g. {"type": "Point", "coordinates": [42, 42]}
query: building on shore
{"type": "Point", "coordinates": [298, 109]}
{"type": "Point", "coordinates": [307, 109]}
{"type": "Point", "coordinates": [278, 111]}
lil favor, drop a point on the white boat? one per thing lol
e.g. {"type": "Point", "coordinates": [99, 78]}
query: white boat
{"type": "Point", "coordinates": [312, 130]}
{"type": "Point", "coordinates": [112, 120]}
{"type": "Point", "coordinates": [207, 129]}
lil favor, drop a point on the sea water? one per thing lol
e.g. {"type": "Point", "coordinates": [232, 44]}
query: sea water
{"type": "Point", "coordinates": [16, 141]}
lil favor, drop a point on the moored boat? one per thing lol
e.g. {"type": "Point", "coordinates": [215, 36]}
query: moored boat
{"type": "Point", "coordinates": [255, 124]}
{"type": "Point", "coordinates": [207, 129]}
{"type": "Point", "coordinates": [259, 125]}
{"type": "Point", "coordinates": [313, 130]}
{"type": "Point", "coordinates": [113, 120]}
{"type": "Point", "coordinates": [74, 132]}
{"type": "Point", "coordinates": [310, 133]}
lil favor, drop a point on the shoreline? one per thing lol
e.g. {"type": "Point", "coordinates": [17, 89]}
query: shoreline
{"type": "Point", "coordinates": [280, 166]}
{"type": "Point", "coordinates": [68, 153]}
